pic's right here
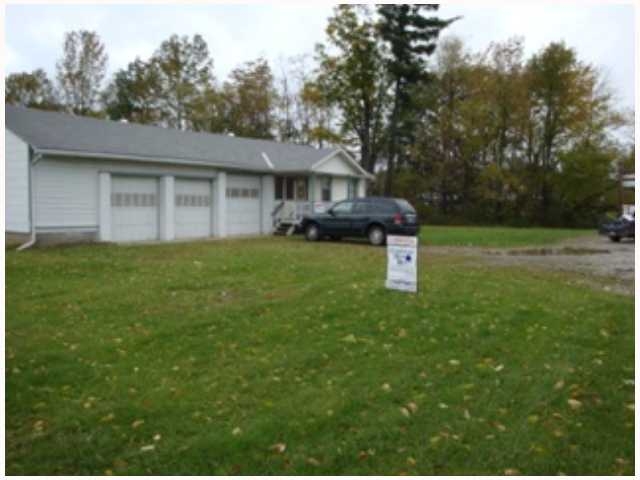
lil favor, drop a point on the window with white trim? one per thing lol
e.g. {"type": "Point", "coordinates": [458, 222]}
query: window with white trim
{"type": "Point", "coordinates": [352, 188]}
{"type": "Point", "coordinates": [325, 188]}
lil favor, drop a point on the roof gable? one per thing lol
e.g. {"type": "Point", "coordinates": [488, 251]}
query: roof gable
{"type": "Point", "coordinates": [336, 164]}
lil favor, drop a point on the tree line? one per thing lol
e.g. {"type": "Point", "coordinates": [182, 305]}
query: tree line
{"type": "Point", "coordinates": [485, 137]}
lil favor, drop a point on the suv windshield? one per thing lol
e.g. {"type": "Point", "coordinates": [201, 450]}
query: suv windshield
{"type": "Point", "coordinates": [405, 206]}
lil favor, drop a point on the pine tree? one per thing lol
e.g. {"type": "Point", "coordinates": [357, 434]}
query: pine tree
{"type": "Point", "coordinates": [411, 39]}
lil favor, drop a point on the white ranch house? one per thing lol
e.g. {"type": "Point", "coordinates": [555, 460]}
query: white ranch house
{"type": "Point", "coordinates": [76, 177]}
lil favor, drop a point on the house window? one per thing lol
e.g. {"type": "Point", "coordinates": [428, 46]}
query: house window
{"type": "Point", "coordinates": [325, 185]}
{"type": "Point", "coordinates": [290, 191]}
{"type": "Point", "coordinates": [352, 188]}
{"type": "Point", "coordinates": [279, 188]}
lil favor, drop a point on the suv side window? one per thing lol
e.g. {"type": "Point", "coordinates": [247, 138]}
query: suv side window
{"type": "Point", "coordinates": [342, 208]}
{"type": "Point", "coordinates": [386, 206]}
{"type": "Point", "coordinates": [362, 207]}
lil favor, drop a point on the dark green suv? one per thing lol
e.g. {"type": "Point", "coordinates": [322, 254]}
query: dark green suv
{"type": "Point", "coordinates": [371, 217]}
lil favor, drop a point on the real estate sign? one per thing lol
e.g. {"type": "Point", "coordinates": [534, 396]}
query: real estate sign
{"type": "Point", "coordinates": [402, 263]}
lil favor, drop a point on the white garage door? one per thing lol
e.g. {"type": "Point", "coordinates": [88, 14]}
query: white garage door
{"type": "Point", "coordinates": [193, 208]}
{"type": "Point", "coordinates": [134, 208]}
{"type": "Point", "coordinates": [243, 205]}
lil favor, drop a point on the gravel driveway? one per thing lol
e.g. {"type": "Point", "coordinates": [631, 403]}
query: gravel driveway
{"type": "Point", "coordinates": [600, 262]}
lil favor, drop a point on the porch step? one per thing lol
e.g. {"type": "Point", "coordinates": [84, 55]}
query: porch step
{"type": "Point", "coordinates": [284, 229]}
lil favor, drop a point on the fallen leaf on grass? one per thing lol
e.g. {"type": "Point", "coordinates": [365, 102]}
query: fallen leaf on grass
{"type": "Point", "coordinates": [137, 423]}
{"type": "Point", "coordinates": [499, 368]}
{"type": "Point", "coordinates": [363, 455]}
{"type": "Point", "coordinates": [413, 408]}
{"type": "Point", "coordinates": [404, 411]}
{"type": "Point", "coordinates": [574, 404]}
{"type": "Point", "coordinates": [313, 461]}
{"type": "Point", "coordinates": [411, 461]}
{"type": "Point", "coordinates": [236, 431]}
{"type": "Point", "coordinates": [157, 437]}
{"type": "Point", "coordinates": [108, 418]}
{"type": "Point", "coordinates": [39, 425]}
{"type": "Point", "coordinates": [147, 448]}
{"type": "Point", "coordinates": [278, 447]}
{"type": "Point", "coordinates": [454, 362]}
{"type": "Point", "coordinates": [386, 387]}
{"type": "Point", "coordinates": [559, 384]}
{"type": "Point", "coordinates": [351, 338]}
{"type": "Point", "coordinates": [511, 471]}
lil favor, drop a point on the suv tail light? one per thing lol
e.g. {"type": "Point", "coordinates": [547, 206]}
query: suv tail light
{"type": "Point", "coordinates": [397, 219]}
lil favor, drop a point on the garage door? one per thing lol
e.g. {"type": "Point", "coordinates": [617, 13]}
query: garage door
{"type": "Point", "coordinates": [193, 208]}
{"type": "Point", "coordinates": [134, 208]}
{"type": "Point", "coordinates": [243, 205]}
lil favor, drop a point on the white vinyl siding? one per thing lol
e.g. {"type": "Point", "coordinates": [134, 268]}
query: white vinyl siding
{"type": "Point", "coordinates": [193, 203]}
{"type": "Point", "coordinates": [66, 195]}
{"type": "Point", "coordinates": [134, 208]}
{"type": "Point", "coordinates": [243, 205]}
{"type": "Point", "coordinates": [16, 184]}
{"type": "Point", "coordinates": [67, 189]}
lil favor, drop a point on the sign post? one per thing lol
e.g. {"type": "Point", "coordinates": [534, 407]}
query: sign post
{"type": "Point", "coordinates": [402, 263]}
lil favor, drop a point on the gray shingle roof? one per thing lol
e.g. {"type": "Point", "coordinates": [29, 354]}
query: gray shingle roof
{"type": "Point", "coordinates": [52, 131]}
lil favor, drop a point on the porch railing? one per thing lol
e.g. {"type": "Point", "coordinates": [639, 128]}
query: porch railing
{"type": "Point", "coordinates": [292, 212]}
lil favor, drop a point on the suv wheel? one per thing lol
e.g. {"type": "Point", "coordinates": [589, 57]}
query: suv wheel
{"type": "Point", "coordinates": [376, 235]}
{"type": "Point", "coordinates": [312, 232]}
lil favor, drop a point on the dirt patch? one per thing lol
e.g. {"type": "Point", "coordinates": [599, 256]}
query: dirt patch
{"type": "Point", "coordinates": [601, 263]}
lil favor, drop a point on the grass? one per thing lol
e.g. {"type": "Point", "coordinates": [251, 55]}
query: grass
{"type": "Point", "coordinates": [496, 237]}
{"type": "Point", "coordinates": [278, 356]}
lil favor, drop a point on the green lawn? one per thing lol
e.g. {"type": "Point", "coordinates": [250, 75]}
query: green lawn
{"type": "Point", "coordinates": [279, 356]}
{"type": "Point", "coordinates": [496, 237]}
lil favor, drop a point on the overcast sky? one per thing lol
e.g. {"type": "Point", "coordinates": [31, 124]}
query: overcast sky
{"type": "Point", "coordinates": [603, 34]}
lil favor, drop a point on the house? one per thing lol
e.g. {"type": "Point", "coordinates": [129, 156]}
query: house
{"type": "Point", "coordinates": [75, 177]}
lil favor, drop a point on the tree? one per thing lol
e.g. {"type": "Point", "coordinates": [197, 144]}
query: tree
{"type": "Point", "coordinates": [287, 126]}
{"type": "Point", "coordinates": [249, 99]}
{"type": "Point", "coordinates": [355, 77]}
{"type": "Point", "coordinates": [135, 93]}
{"type": "Point", "coordinates": [304, 111]}
{"type": "Point", "coordinates": [437, 152]}
{"type": "Point", "coordinates": [584, 182]}
{"type": "Point", "coordinates": [411, 39]}
{"type": "Point", "coordinates": [32, 90]}
{"type": "Point", "coordinates": [185, 73]}
{"type": "Point", "coordinates": [565, 108]}
{"type": "Point", "coordinates": [81, 70]}
{"type": "Point", "coordinates": [318, 115]}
